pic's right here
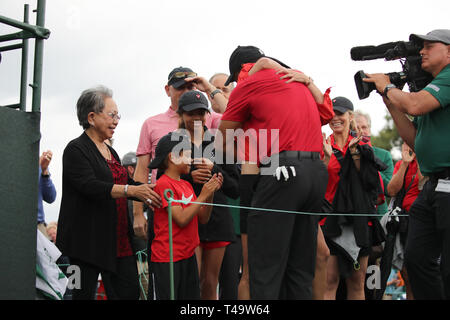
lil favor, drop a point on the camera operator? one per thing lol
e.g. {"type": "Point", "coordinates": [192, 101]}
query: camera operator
{"type": "Point", "coordinates": [428, 246]}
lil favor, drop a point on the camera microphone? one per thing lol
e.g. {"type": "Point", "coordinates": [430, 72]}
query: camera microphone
{"type": "Point", "coordinates": [371, 52]}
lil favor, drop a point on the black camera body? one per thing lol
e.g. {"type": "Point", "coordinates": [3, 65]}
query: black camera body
{"type": "Point", "coordinates": [407, 52]}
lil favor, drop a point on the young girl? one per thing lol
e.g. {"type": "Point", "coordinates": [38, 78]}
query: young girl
{"type": "Point", "coordinates": [174, 162]}
{"type": "Point", "coordinates": [218, 233]}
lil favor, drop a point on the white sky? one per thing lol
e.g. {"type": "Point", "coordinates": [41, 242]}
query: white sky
{"type": "Point", "coordinates": [131, 46]}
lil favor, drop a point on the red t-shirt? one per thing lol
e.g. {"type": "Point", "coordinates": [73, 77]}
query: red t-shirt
{"type": "Point", "coordinates": [185, 239]}
{"type": "Point", "coordinates": [263, 101]}
{"type": "Point", "coordinates": [413, 190]}
{"type": "Point", "coordinates": [120, 176]}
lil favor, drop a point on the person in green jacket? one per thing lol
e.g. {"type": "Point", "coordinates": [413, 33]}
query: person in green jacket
{"type": "Point", "coordinates": [363, 121]}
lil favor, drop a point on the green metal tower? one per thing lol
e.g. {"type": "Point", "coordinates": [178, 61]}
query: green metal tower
{"type": "Point", "coordinates": [19, 151]}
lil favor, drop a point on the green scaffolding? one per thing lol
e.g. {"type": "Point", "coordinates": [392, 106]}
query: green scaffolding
{"type": "Point", "coordinates": [19, 151]}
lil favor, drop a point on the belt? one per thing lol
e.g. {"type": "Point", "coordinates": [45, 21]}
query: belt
{"type": "Point", "coordinates": [299, 155]}
{"type": "Point", "coordinates": [441, 174]}
{"type": "Point", "coordinates": [294, 155]}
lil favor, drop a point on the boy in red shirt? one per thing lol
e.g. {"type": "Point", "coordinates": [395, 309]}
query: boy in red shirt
{"type": "Point", "coordinates": [172, 157]}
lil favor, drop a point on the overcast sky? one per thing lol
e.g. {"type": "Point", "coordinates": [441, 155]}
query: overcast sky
{"type": "Point", "coordinates": [131, 46]}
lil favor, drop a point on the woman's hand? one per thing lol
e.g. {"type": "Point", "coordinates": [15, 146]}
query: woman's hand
{"type": "Point", "coordinates": [354, 144]}
{"type": "Point", "coordinates": [327, 148]}
{"type": "Point", "coordinates": [407, 154]}
{"type": "Point", "coordinates": [146, 194]}
{"type": "Point", "coordinates": [44, 161]}
{"type": "Point", "coordinates": [201, 175]}
{"type": "Point", "coordinates": [203, 163]}
{"type": "Point", "coordinates": [294, 75]}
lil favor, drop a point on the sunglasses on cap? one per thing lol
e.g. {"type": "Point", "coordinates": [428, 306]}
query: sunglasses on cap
{"type": "Point", "coordinates": [182, 75]}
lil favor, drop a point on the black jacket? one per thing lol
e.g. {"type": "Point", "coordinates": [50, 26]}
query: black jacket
{"type": "Point", "coordinates": [357, 192]}
{"type": "Point", "coordinates": [220, 226]}
{"type": "Point", "coordinates": [87, 224]}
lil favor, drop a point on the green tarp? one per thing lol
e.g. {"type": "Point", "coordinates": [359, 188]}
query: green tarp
{"type": "Point", "coordinates": [19, 159]}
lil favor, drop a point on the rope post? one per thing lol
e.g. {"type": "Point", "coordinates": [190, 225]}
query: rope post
{"type": "Point", "coordinates": [168, 194]}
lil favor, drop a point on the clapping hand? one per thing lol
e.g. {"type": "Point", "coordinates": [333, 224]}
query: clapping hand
{"type": "Point", "coordinates": [355, 141]}
{"type": "Point", "coordinates": [214, 184]}
{"type": "Point", "coordinates": [407, 154]}
{"type": "Point", "coordinates": [327, 148]}
{"type": "Point", "coordinates": [202, 173]}
{"type": "Point", "coordinates": [44, 161]}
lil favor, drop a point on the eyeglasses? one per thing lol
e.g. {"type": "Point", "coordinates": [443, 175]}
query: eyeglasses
{"type": "Point", "coordinates": [114, 116]}
{"type": "Point", "coordinates": [182, 75]}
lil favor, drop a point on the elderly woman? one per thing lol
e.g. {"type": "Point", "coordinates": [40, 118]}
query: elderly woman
{"type": "Point", "coordinates": [93, 229]}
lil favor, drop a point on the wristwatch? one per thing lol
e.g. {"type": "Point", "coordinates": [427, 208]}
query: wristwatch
{"type": "Point", "coordinates": [388, 87]}
{"type": "Point", "coordinates": [212, 94]}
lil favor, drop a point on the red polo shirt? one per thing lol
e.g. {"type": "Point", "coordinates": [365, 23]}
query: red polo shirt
{"type": "Point", "coordinates": [185, 239]}
{"type": "Point", "coordinates": [263, 102]}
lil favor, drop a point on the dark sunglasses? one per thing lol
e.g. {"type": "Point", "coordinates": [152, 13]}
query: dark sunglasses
{"type": "Point", "coordinates": [182, 75]}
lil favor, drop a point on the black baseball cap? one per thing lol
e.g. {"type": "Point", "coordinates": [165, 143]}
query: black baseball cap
{"type": "Point", "coordinates": [165, 146]}
{"type": "Point", "coordinates": [192, 100]}
{"type": "Point", "coordinates": [178, 82]}
{"type": "Point", "coordinates": [245, 54]}
{"type": "Point", "coordinates": [342, 104]}
{"type": "Point", "coordinates": [438, 35]}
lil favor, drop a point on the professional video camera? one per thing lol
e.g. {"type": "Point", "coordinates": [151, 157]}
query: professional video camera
{"type": "Point", "coordinates": [407, 52]}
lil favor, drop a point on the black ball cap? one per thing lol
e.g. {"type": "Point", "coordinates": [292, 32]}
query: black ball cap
{"type": "Point", "coordinates": [242, 55]}
{"type": "Point", "coordinates": [342, 104]}
{"type": "Point", "coordinates": [177, 82]}
{"type": "Point", "coordinates": [192, 100]}
{"type": "Point", "coordinates": [165, 146]}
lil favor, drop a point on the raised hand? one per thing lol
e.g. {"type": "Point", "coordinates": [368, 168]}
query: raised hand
{"type": "Point", "coordinates": [407, 153]}
{"type": "Point", "coordinates": [327, 149]}
{"type": "Point", "coordinates": [203, 163]}
{"type": "Point", "coordinates": [201, 84]}
{"type": "Point", "coordinates": [44, 161]}
{"type": "Point", "coordinates": [201, 175]}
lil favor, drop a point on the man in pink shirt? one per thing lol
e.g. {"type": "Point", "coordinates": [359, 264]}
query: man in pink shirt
{"type": "Point", "coordinates": [180, 80]}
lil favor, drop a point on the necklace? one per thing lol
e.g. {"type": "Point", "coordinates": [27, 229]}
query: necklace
{"type": "Point", "coordinates": [105, 153]}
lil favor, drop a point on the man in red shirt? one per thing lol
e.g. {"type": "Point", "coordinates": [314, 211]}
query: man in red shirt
{"type": "Point", "coordinates": [286, 119]}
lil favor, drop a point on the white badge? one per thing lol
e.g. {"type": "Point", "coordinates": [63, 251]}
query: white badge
{"type": "Point", "coordinates": [443, 186]}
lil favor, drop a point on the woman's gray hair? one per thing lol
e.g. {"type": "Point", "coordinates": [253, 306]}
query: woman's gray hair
{"type": "Point", "coordinates": [91, 100]}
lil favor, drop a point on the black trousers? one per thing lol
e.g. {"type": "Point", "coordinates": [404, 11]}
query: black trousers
{"type": "Point", "coordinates": [122, 285]}
{"type": "Point", "coordinates": [427, 250]}
{"type": "Point", "coordinates": [186, 280]}
{"type": "Point", "coordinates": [281, 246]}
{"type": "Point", "coordinates": [229, 272]}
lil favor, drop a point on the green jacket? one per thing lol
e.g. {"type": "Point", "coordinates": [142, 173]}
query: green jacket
{"type": "Point", "coordinates": [386, 175]}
